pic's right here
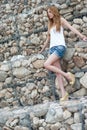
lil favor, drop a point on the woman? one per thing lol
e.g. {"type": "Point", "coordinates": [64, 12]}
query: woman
{"type": "Point", "coordinates": [58, 47]}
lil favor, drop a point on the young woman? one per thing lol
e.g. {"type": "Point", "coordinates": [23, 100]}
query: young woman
{"type": "Point", "coordinates": [55, 35]}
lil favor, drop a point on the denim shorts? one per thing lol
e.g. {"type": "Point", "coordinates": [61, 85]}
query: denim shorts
{"type": "Point", "coordinates": [58, 50]}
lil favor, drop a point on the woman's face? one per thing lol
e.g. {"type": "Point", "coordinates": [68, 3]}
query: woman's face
{"type": "Point", "coordinates": [50, 15]}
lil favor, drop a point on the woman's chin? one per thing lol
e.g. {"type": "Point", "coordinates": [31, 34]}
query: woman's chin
{"type": "Point", "coordinates": [50, 17]}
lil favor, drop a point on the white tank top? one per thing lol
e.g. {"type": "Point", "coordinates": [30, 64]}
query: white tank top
{"type": "Point", "coordinates": [56, 38]}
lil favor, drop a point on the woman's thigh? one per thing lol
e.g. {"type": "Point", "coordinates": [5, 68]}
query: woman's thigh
{"type": "Point", "coordinates": [52, 59]}
{"type": "Point", "coordinates": [57, 64]}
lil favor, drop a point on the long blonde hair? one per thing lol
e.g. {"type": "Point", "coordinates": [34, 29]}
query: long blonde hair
{"type": "Point", "coordinates": [56, 19]}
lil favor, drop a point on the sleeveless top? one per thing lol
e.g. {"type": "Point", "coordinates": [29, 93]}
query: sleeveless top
{"type": "Point", "coordinates": [56, 37]}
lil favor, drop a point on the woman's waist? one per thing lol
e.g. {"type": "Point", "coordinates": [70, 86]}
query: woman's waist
{"type": "Point", "coordinates": [57, 44]}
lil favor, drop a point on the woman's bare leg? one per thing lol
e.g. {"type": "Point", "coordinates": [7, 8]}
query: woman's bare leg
{"type": "Point", "coordinates": [53, 64]}
{"type": "Point", "coordinates": [60, 78]}
{"type": "Point", "coordinates": [49, 65]}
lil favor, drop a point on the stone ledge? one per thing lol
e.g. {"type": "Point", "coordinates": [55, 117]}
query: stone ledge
{"type": "Point", "coordinates": [68, 112]}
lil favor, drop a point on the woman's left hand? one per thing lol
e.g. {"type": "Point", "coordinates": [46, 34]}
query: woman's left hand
{"type": "Point", "coordinates": [84, 38]}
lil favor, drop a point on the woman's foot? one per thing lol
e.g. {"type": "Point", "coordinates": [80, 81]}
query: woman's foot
{"type": "Point", "coordinates": [71, 78]}
{"type": "Point", "coordinates": [65, 98]}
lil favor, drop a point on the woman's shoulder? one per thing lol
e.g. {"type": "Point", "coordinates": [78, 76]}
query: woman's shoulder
{"type": "Point", "coordinates": [62, 20]}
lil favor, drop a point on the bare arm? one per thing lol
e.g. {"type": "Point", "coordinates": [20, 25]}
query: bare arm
{"type": "Point", "coordinates": [65, 23]}
{"type": "Point", "coordinates": [46, 43]}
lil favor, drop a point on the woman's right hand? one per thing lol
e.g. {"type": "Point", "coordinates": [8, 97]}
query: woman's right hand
{"type": "Point", "coordinates": [84, 38]}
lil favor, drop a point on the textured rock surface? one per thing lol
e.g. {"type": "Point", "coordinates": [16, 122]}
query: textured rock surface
{"type": "Point", "coordinates": [24, 82]}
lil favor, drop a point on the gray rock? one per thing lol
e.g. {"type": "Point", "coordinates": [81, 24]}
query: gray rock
{"type": "Point", "coordinates": [77, 126]}
{"type": "Point", "coordinates": [69, 54]}
{"type": "Point", "coordinates": [54, 114]}
{"type": "Point", "coordinates": [83, 80]}
{"type": "Point", "coordinates": [21, 72]}
{"type": "Point", "coordinates": [3, 76]}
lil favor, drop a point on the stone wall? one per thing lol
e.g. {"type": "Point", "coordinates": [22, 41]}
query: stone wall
{"type": "Point", "coordinates": [22, 25]}
{"type": "Point", "coordinates": [23, 79]}
{"type": "Point", "coordinates": [70, 115]}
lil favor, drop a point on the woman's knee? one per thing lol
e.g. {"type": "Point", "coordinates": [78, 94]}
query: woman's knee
{"type": "Point", "coordinates": [46, 65]}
